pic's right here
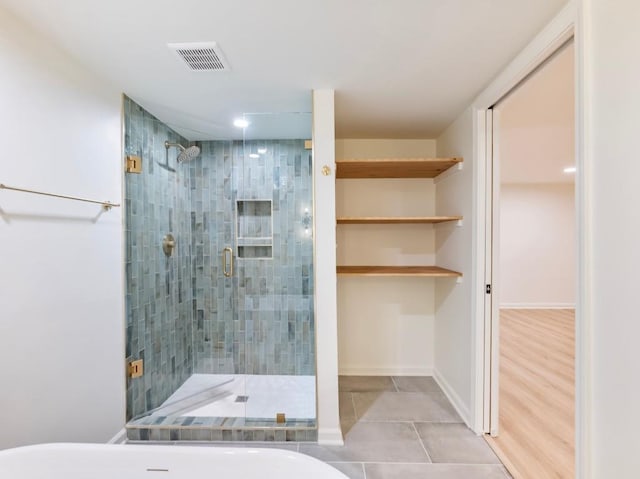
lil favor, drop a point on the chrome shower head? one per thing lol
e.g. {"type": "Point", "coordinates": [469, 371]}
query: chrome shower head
{"type": "Point", "coordinates": [186, 154]}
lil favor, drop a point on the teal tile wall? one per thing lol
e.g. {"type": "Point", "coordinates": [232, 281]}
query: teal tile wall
{"type": "Point", "coordinates": [159, 292]}
{"type": "Point", "coordinates": [261, 320]}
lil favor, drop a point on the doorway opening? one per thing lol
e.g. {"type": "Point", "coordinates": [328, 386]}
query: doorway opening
{"type": "Point", "coordinates": [531, 272]}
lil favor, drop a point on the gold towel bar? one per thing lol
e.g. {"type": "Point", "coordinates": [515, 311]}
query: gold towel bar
{"type": "Point", "coordinates": [107, 205]}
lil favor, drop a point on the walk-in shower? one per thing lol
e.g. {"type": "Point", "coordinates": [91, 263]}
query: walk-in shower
{"type": "Point", "coordinates": [225, 324]}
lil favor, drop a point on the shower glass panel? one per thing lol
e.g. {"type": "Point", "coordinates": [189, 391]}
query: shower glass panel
{"type": "Point", "coordinates": [159, 293]}
{"type": "Point", "coordinates": [274, 267]}
{"type": "Point", "coordinates": [225, 323]}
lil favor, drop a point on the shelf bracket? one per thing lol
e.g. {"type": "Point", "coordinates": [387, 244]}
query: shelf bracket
{"type": "Point", "coordinates": [459, 223]}
{"type": "Point", "coordinates": [459, 280]}
{"type": "Point", "coordinates": [447, 173]}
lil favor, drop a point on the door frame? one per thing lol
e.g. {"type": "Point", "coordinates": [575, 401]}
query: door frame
{"type": "Point", "coordinates": [493, 253]}
{"type": "Point", "coordinates": [566, 25]}
{"type": "Point", "coordinates": [492, 274]}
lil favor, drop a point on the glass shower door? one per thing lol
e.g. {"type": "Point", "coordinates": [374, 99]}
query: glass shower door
{"type": "Point", "coordinates": [218, 350]}
{"type": "Point", "coordinates": [274, 267]}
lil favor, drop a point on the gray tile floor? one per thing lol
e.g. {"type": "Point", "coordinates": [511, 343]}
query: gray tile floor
{"type": "Point", "coordinates": [404, 427]}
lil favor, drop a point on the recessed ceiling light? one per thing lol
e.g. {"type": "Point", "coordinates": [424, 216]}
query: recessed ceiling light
{"type": "Point", "coordinates": [570, 169]}
{"type": "Point", "coordinates": [262, 151]}
{"type": "Point", "coordinates": [254, 155]}
{"type": "Point", "coordinates": [240, 123]}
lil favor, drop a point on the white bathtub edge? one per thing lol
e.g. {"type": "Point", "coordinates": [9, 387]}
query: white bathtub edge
{"type": "Point", "coordinates": [106, 461]}
{"type": "Point", "coordinates": [330, 437]}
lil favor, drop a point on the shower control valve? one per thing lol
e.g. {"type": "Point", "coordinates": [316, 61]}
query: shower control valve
{"type": "Point", "coordinates": [168, 244]}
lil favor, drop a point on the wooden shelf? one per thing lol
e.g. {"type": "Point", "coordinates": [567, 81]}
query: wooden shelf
{"type": "Point", "coordinates": [394, 167]}
{"type": "Point", "coordinates": [428, 271]}
{"type": "Point", "coordinates": [389, 220]}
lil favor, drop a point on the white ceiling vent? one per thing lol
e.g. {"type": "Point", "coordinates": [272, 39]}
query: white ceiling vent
{"type": "Point", "coordinates": [201, 57]}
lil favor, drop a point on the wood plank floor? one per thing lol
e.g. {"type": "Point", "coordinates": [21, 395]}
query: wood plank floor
{"type": "Point", "coordinates": [536, 407]}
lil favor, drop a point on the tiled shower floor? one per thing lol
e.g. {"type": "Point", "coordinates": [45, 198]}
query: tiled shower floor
{"type": "Point", "coordinates": [244, 395]}
{"type": "Point", "coordinates": [210, 407]}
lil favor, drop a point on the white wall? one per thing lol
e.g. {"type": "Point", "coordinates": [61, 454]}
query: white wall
{"type": "Point", "coordinates": [612, 172]}
{"type": "Point", "coordinates": [384, 148]}
{"type": "Point", "coordinates": [385, 244]}
{"type": "Point", "coordinates": [385, 324]}
{"type": "Point", "coordinates": [454, 346]}
{"type": "Point", "coordinates": [325, 267]}
{"type": "Point", "coordinates": [537, 245]}
{"type": "Point", "coordinates": [536, 123]}
{"type": "Point", "coordinates": [61, 287]}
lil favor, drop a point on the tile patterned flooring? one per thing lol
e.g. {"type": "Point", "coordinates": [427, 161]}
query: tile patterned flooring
{"type": "Point", "coordinates": [404, 427]}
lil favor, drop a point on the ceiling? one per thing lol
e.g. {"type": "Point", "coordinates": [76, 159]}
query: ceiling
{"type": "Point", "coordinates": [400, 69]}
{"type": "Point", "coordinates": [536, 132]}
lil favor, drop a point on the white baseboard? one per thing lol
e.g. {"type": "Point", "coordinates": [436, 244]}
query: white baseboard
{"type": "Point", "coordinates": [401, 371]}
{"type": "Point", "coordinates": [458, 404]}
{"type": "Point", "coordinates": [330, 437]}
{"type": "Point", "coordinates": [119, 438]}
{"type": "Point", "coordinates": [538, 306]}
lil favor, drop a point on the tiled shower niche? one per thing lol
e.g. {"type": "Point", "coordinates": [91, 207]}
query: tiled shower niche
{"type": "Point", "coordinates": [255, 229]}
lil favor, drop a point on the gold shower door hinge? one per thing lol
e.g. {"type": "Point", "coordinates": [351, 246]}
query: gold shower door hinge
{"type": "Point", "coordinates": [133, 164]}
{"type": "Point", "coordinates": [136, 368]}
{"type": "Point", "coordinates": [308, 144]}
{"type": "Point", "coordinates": [280, 419]}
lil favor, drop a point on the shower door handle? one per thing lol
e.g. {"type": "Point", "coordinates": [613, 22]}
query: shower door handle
{"type": "Point", "coordinates": [227, 267]}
